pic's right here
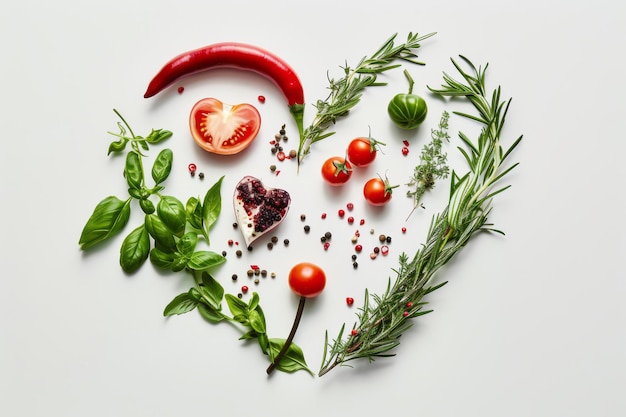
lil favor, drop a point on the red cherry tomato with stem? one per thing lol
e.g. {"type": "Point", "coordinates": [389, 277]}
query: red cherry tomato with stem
{"type": "Point", "coordinates": [362, 150]}
{"type": "Point", "coordinates": [336, 170]}
{"type": "Point", "coordinates": [377, 191]}
{"type": "Point", "coordinates": [223, 129]}
{"type": "Point", "coordinates": [306, 280]}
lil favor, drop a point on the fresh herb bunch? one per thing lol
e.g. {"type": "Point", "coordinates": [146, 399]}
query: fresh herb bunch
{"type": "Point", "coordinates": [169, 236]}
{"type": "Point", "coordinates": [433, 163]}
{"type": "Point", "coordinates": [346, 92]}
{"type": "Point", "coordinates": [173, 227]}
{"type": "Point", "coordinates": [384, 318]}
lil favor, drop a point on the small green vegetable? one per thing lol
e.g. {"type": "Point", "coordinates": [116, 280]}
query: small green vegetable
{"type": "Point", "coordinates": [408, 110]}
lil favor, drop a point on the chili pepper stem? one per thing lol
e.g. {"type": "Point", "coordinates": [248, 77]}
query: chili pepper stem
{"type": "Point", "coordinates": [294, 327]}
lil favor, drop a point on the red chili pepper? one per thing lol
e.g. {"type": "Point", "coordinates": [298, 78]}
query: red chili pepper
{"type": "Point", "coordinates": [234, 55]}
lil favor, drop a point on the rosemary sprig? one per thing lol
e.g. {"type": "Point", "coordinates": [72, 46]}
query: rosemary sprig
{"type": "Point", "coordinates": [346, 92]}
{"type": "Point", "coordinates": [433, 163]}
{"type": "Point", "coordinates": [383, 318]}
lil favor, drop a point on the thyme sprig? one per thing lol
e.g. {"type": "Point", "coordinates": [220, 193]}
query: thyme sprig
{"type": "Point", "coordinates": [433, 163]}
{"type": "Point", "coordinates": [346, 92]}
{"type": "Point", "coordinates": [384, 318]}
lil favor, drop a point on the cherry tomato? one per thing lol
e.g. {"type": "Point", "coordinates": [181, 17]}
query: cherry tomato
{"type": "Point", "coordinates": [307, 280]}
{"type": "Point", "coordinates": [223, 129]}
{"type": "Point", "coordinates": [377, 191]}
{"type": "Point", "coordinates": [336, 170]}
{"type": "Point", "coordinates": [362, 151]}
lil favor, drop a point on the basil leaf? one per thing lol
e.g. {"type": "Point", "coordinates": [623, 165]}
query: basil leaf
{"type": "Point", "coordinates": [180, 262]}
{"type": "Point", "coordinates": [203, 260]}
{"type": "Point", "coordinates": [211, 291]}
{"type": "Point", "coordinates": [172, 212]}
{"type": "Point", "coordinates": [257, 322]}
{"type": "Point", "coordinates": [187, 243]}
{"type": "Point", "coordinates": [194, 213]}
{"type": "Point", "coordinates": [254, 301]}
{"type": "Point", "coordinates": [264, 344]}
{"type": "Point", "coordinates": [162, 166]}
{"type": "Point", "coordinates": [181, 304]}
{"type": "Point", "coordinates": [163, 237]}
{"type": "Point", "coordinates": [108, 219]}
{"type": "Point", "coordinates": [157, 136]}
{"type": "Point", "coordinates": [133, 170]}
{"type": "Point", "coordinates": [135, 249]}
{"type": "Point", "coordinates": [147, 206]}
{"type": "Point", "coordinates": [210, 314]}
{"type": "Point", "coordinates": [161, 259]}
{"type": "Point", "coordinates": [212, 205]}
{"type": "Point", "coordinates": [236, 306]}
{"type": "Point", "coordinates": [294, 358]}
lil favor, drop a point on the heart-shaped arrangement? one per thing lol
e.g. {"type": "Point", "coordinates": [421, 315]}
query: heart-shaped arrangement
{"type": "Point", "coordinates": [258, 208]}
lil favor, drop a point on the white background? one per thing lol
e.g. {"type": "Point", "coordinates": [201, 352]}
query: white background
{"type": "Point", "coordinates": [529, 324]}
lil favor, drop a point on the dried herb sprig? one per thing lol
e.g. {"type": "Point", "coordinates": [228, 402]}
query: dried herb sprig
{"type": "Point", "coordinates": [433, 163]}
{"type": "Point", "coordinates": [346, 92]}
{"type": "Point", "coordinates": [384, 318]}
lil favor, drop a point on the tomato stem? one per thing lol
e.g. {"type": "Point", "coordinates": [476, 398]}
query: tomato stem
{"type": "Point", "coordinates": [294, 327]}
{"type": "Point", "coordinates": [411, 82]}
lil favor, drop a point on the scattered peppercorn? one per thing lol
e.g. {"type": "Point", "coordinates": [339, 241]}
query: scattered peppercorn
{"type": "Point", "coordinates": [263, 273]}
{"type": "Point", "coordinates": [256, 280]}
{"type": "Point", "coordinates": [238, 253]}
{"type": "Point", "coordinates": [292, 153]}
{"type": "Point", "coordinates": [250, 272]}
{"type": "Point", "coordinates": [303, 217]}
{"type": "Point", "coordinates": [328, 235]}
{"type": "Point", "coordinates": [224, 253]}
{"type": "Point", "coordinates": [307, 228]}
{"type": "Point", "coordinates": [286, 242]}
{"type": "Point", "coordinates": [272, 168]}
{"type": "Point", "coordinates": [274, 239]}
{"type": "Point", "coordinates": [201, 175]}
{"type": "Point", "coordinates": [234, 277]}
{"type": "Point", "coordinates": [388, 239]}
{"type": "Point", "coordinates": [355, 265]}
{"type": "Point", "coordinates": [382, 238]}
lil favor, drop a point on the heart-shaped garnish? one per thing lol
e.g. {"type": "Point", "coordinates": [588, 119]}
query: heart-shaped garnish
{"type": "Point", "coordinates": [258, 208]}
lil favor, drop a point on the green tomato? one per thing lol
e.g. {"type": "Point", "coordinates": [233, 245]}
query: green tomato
{"type": "Point", "coordinates": [408, 110]}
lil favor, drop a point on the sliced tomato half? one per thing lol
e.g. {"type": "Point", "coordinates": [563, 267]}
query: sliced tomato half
{"type": "Point", "coordinates": [223, 129]}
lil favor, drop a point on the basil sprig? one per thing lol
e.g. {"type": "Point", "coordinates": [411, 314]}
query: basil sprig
{"type": "Point", "coordinates": [169, 237]}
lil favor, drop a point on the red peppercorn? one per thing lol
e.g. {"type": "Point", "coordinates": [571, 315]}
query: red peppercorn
{"type": "Point", "coordinates": [349, 301]}
{"type": "Point", "coordinates": [192, 168]}
{"type": "Point", "coordinates": [230, 242]}
{"type": "Point", "coordinates": [404, 230]}
{"type": "Point", "coordinates": [323, 215]}
{"type": "Point", "coordinates": [409, 304]}
{"type": "Point", "coordinates": [180, 90]}
{"type": "Point", "coordinates": [362, 222]}
{"type": "Point", "coordinates": [281, 156]}
{"type": "Point", "coordinates": [350, 206]}
{"type": "Point", "coordinates": [261, 99]}
{"type": "Point", "coordinates": [406, 143]}
{"type": "Point", "coordinates": [350, 220]}
{"type": "Point", "coordinates": [405, 151]}
{"type": "Point", "coordinates": [384, 250]}
{"type": "Point", "coordinates": [341, 213]}
{"type": "Point", "coordinates": [358, 248]}
{"type": "Point", "coordinates": [405, 314]}
{"type": "Point", "coordinates": [354, 332]}
{"type": "Point", "coordinates": [326, 245]}
{"type": "Point", "coordinates": [244, 289]}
